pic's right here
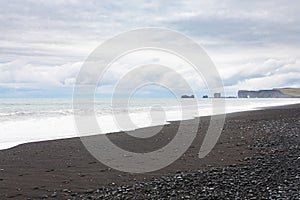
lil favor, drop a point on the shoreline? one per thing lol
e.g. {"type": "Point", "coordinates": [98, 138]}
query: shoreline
{"type": "Point", "coordinates": [59, 168]}
{"type": "Point", "coordinates": [16, 144]}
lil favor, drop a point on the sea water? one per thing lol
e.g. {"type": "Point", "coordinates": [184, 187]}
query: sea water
{"type": "Point", "coordinates": [31, 120]}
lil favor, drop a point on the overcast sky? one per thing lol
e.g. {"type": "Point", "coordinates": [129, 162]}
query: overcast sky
{"type": "Point", "coordinates": [254, 44]}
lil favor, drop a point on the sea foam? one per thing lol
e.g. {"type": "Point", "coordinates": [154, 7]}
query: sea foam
{"type": "Point", "coordinates": [32, 120]}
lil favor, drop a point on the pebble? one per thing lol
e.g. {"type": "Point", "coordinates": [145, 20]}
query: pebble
{"type": "Point", "coordinates": [271, 174]}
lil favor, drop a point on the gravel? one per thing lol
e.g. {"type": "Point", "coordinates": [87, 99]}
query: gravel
{"type": "Point", "coordinates": [273, 173]}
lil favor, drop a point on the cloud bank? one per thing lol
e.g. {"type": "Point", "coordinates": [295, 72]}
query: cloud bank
{"type": "Point", "coordinates": [43, 44]}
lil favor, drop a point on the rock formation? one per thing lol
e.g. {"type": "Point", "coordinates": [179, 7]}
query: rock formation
{"type": "Point", "coordinates": [187, 96]}
{"type": "Point", "coordinates": [275, 93]}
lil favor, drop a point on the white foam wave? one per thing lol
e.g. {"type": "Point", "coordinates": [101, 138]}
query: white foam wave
{"type": "Point", "coordinates": [50, 127]}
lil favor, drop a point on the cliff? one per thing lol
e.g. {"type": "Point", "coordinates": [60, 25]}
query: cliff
{"type": "Point", "coordinates": [275, 93]}
{"type": "Point", "coordinates": [187, 96]}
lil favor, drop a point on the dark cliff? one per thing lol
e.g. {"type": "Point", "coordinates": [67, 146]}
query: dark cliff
{"type": "Point", "coordinates": [187, 96]}
{"type": "Point", "coordinates": [275, 93]}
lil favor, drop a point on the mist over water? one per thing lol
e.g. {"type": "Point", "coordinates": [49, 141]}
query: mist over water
{"type": "Point", "coordinates": [31, 120]}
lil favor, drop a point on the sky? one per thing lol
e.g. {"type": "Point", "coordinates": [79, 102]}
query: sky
{"type": "Point", "coordinates": [43, 44]}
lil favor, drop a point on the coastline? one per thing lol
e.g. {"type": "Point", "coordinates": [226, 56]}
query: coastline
{"type": "Point", "coordinates": [59, 168]}
{"type": "Point", "coordinates": [28, 126]}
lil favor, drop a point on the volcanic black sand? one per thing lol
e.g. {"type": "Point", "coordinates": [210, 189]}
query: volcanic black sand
{"type": "Point", "coordinates": [257, 157]}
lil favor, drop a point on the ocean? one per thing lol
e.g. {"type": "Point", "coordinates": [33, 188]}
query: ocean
{"type": "Point", "coordinates": [32, 120]}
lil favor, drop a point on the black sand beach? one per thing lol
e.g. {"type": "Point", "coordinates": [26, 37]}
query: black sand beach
{"type": "Point", "coordinates": [257, 157]}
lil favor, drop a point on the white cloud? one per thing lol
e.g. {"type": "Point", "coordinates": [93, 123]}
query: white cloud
{"type": "Point", "coordinates": [20, 73]}
{"type": "Point", "coordinates": [274, 81]}
{"type": "Point", "coordinates": [44, 43]}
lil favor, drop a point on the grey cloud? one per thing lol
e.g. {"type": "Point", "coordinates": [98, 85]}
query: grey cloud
{"type": "Point", "coordinates": [63, 33]}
